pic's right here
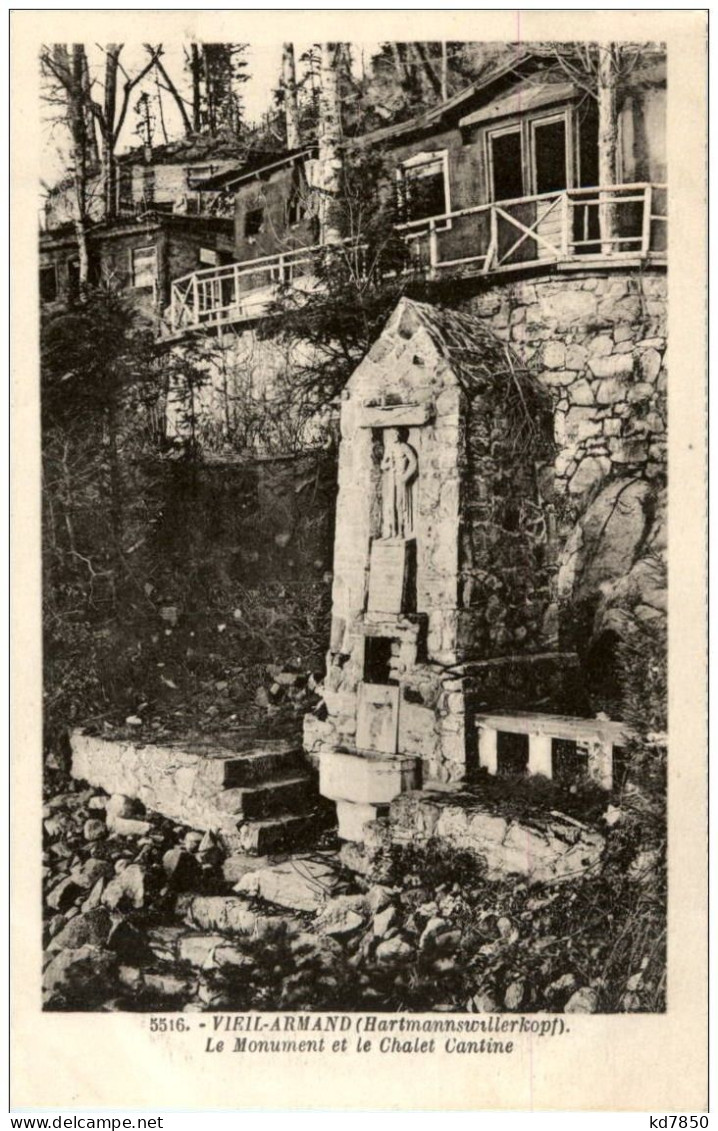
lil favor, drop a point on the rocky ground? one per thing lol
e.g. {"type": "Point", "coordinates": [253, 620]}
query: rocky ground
{"type": "Point", "coordinates": [142, 914]}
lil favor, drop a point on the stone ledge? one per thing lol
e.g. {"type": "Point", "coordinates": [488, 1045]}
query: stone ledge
{"type": "Point", "coordinates": [542, 848]}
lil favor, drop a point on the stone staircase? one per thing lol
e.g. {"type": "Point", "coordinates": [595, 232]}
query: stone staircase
{"type": "Point", "coordinates": [260, 798]}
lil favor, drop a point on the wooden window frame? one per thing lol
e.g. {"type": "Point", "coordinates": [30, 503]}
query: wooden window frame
{"type": "Point", "coordinates": [526, 128]}
{"type": "Point", "coordinates": [133, 252]}
{"type": "Point", "coordinates": [425, 157]}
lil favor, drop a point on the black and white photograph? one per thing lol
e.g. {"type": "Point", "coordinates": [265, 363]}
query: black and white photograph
{"type": "Point", "coordinates": [353, 393]}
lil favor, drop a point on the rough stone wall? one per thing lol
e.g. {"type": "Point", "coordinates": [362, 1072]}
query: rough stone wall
{"type": "Point", "coordinates": [598, 345]}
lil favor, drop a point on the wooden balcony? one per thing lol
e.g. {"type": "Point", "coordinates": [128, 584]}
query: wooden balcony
{"type": "Point", "coordinates": [571, 230]}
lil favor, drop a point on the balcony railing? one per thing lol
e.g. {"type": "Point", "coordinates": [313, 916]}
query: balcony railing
{"type": "Point", "coordinates": [570, 229]}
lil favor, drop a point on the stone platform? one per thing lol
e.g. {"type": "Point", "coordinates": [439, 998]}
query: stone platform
{"type": "Point", "coordinates": [259, 799]}
{"type": "Point", "coordinates": [545, 847]}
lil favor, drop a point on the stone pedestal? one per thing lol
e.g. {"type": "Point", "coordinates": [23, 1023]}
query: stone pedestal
{"type": "Point", "coordinates": [363, 786]}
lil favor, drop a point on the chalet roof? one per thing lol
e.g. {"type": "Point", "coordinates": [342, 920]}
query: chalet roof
{"type": "Point", "coordinates": [194, 148]}
{"type": "Point", "coordinates": [259, 161]}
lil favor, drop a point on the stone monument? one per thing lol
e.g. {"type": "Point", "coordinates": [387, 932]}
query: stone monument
{"type": "Point", "coordinates": [444, 568]}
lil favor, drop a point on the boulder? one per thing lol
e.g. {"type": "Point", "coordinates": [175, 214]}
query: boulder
{"type": "Point", "coordinates": [584, 1000]}
{"type": "Point", "coordinates": [126, 826]}
{"type": "Point", "coordinates": [224, 913]}
{"type": "Point", "coordinates": [393, 950]}
{"type": "Point", "coordinates": [91, 928]}
{"type": "Point", "coordinates": [302, 884]}
{"type": "Point", "coordinates": [94, 829]}
{"type": "Point", "coordinates": [182, 869]}
{"type": "Point", "coordinates": [127, 890]}
{"type": "Point", "coordinates": [80, 977]}
{"type": "Point", "coordinates": [62, 897]}
{"type": "Point", "coordinates": [342, 915]}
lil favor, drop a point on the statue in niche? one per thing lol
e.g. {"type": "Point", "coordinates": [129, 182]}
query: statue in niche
{"type": "Point", "coordinates": [399, 467]}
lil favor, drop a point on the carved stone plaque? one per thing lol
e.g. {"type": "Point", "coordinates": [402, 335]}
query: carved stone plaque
{"type": "Point", "coordinates": [378, 718]}
{"type": "Point", "coordinates": [387, 575]}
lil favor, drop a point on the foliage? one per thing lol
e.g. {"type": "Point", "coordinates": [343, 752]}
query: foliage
{"type": "Point", "coordinates": [359, 281]}
{"type": "Point", "coordinates": [163, 578]}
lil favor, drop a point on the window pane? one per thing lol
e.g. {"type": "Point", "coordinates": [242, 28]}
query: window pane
{"type": "Point", "coordinates": [143, 267]}
{"type": "Point", "coordinates": [48, 284]}
{"type": "Point", "coordinates": [508, 181]}
{"type": "Point", "coordinates": [550, 156]}
{"type": "Point", "coordinates": [512, 754]}
{"type": "Point", "coordinates": [424, 190]}
{"type": "Point", "coordinates": [253, 222]}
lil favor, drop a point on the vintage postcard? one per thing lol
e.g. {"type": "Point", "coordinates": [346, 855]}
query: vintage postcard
{"type": "Point", "coordinates": [359, 589]}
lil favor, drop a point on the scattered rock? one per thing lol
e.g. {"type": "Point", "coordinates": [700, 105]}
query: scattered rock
{"type": "Point", "coordinates": [94, 899]}
{"type": "Point", "coordinates": [584, 1000]}
{"type": "Point", "coordinates": [182, 869]}
{"type": "Point", "coordinates": [94, 829]}
{"type": "Point", "coordinates": [125, 826]}
{"type": "Point", "coordinates": [483, 1002]}
{"type": "Point", "coordinates": [384, 920]}
{"type": "Point", "coordinates": [299, 883]}
{"type": "Point", "coordinates": [393, 950]}
{"type": "Point", "coordinates": [379, 897]}
{"type": "Point", "coordinates": [192, 841]}
{"type": "Point", "coordinates": [431, 931]}
{"type": "Point", "coordinates": [342, 915]}
{"type": "Point", "coordinates": [239, 863]}
{"type": "Point", "coordinates": [80, 977]}
{"type": "Point", "coordinates": [62, 897]}
{"type": "Point", "coordinates": [119, 805]}
{"type": "Point", "coordinates": [199, 949]}
{"type": "Point", "coordinates": [127, 889]}
{"type": "Point", "coordinates": [98, 802]}
{"type": "Point", "coordinates": [91, 928]}
{"type": "Point", "coordinates": [90, 871]}
{"type": "Point", "coordinates": [129, 944]}
{"type": "Point", "coordinates": [514, 995]}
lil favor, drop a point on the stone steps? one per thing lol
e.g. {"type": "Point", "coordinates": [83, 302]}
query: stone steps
{"type": "Point", "coordinates": [258, 799]}
{"type": "Point", "coordinates": [260, 765]}
{"type": "Point", "coordinates": [277, 796]}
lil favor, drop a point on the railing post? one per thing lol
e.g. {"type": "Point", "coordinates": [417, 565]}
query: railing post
{"type": "Point", "coordinates": [195, 299]}
{"type": "Point", "coordinates": [235, 279]}
{"type": "Point", "coordinates": [565, 229]}
{"type": "Point", "coordinates": [493, 251]}
{"type": "Point", "coordinates": [433, 249]}
{"type": "Point", "coordinates": [647, 210]}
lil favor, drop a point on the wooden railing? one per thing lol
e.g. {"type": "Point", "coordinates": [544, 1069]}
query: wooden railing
{"type": "Point", "coordinates": [571, 229]}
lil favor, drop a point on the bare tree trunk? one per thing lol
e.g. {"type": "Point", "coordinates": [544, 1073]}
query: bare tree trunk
{"type": "Point", "coordinates": [289, 86]}
{"type": "Point", "coordinates": [330, 134]}
{"type": "Point", "coordinates": [79, 145]}
{"type": "Point", "coordinates": [196, 71]}
{"type": "Point", "coordinates": [607, 139]}
{"type": "Point", "coordinates": [172, 89]}
{"type": "Point", "coordinates": [93, 153]}
{"type": "Point", "coordinates": [112, 55]}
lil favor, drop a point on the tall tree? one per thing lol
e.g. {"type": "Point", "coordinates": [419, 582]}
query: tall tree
{"type": "Point", "coordinates": [289, 89]}
{"type": "Point", "coordinates": [110, 114]}
{"type": "Point", "coordinates": [330, 136]}
{"type": "Point", "coordinates": [66, 72]}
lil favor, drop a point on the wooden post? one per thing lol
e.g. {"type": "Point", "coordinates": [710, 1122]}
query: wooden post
{"type": "Point", "coordinates": [433, 249]}
{"type": "Point", "coordinates": [647, 210]}
{"type": "Point", "coordinates": [195, 299]}
{"type": "Point", "coordinates": [565, 227]}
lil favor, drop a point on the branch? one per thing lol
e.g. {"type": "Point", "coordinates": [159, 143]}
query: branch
{"type": "Point", "coordinates": [170, 87]}
{"type": "Point", "coordinates": [127, 91]}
